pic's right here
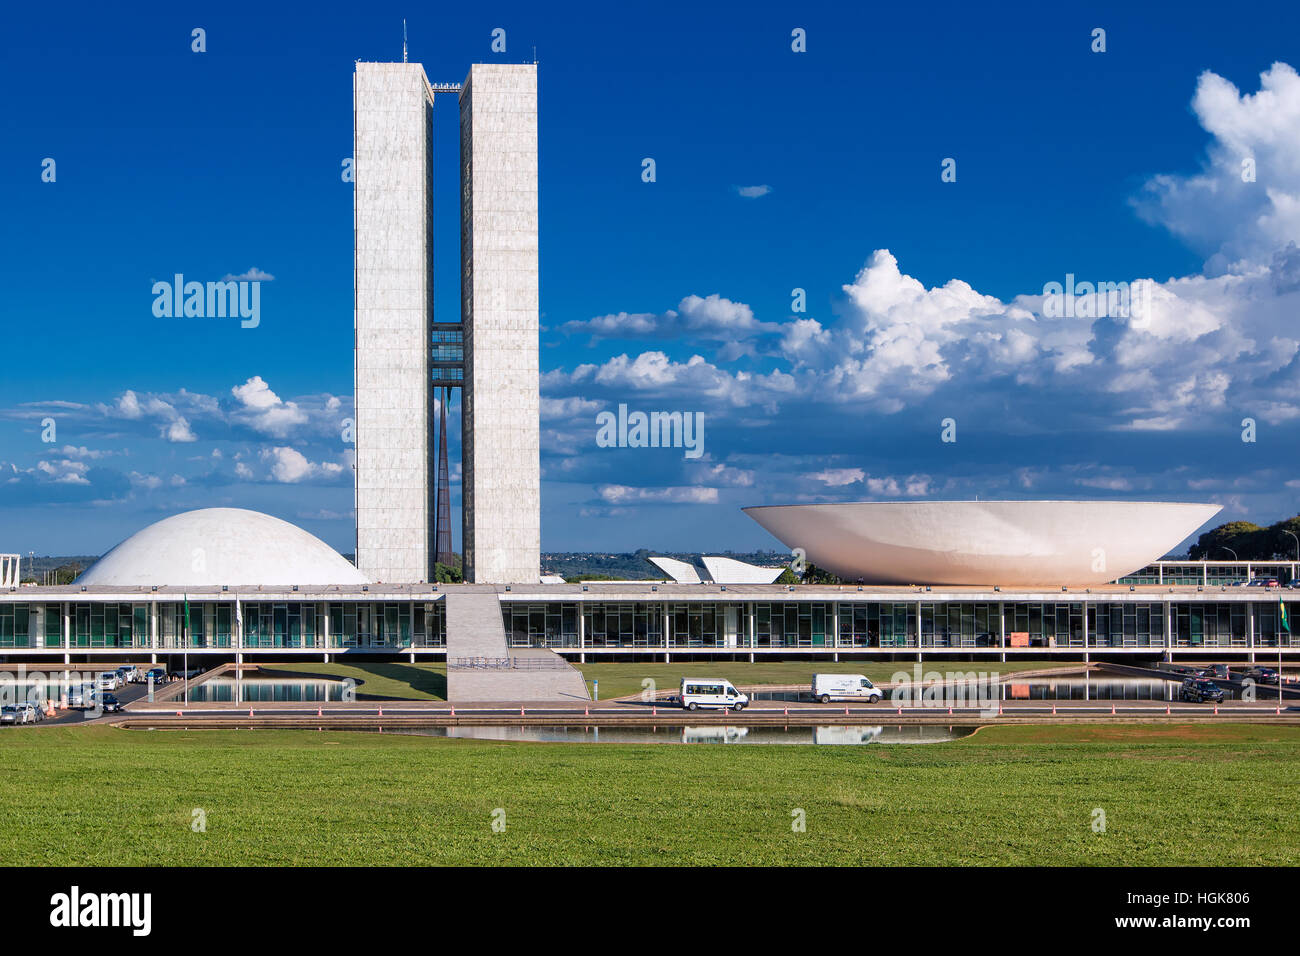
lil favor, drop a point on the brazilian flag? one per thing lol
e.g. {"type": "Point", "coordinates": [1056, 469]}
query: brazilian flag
{"type": "Point", "coordinates": [1286, 623]}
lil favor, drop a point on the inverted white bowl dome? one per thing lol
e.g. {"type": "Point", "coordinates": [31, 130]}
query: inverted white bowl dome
{"type": "Point", "coordinates": [1013, 543]}
{"type": "Point", "coordinates": [215, 546]}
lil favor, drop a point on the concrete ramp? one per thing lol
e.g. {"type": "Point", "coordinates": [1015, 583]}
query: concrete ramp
{"type": "Point", "coordinates": [482, 667]}
{"type": "Point", "coordinates": [474, 627]}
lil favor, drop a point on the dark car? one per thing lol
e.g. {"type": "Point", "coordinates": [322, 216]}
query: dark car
{"type": "Point", "coordinates": [110, 703]}
{"type": "Point", "coordinates": [1262, 675]}
{"type": "Point", "coordinates": [158, 674]}
{"type": "Point", "coordinates": [1198, 689]}
{"type": "Point", "coordinates": [1215, 671]}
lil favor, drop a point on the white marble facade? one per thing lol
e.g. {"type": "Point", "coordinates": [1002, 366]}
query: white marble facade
{"type": "Point", "coordinates": [393, 222]}
{"type": "Point", "coordinates": [501, 486]}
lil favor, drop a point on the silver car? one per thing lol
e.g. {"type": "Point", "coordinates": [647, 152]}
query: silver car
{"type": "Point", "coordinates": [18, 714]}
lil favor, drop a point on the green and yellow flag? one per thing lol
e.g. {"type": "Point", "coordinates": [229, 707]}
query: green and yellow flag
{"type": "Point", "coordinates": [1286, 623]}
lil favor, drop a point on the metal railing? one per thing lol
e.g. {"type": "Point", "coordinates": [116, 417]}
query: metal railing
{"type": "Point", "coordinates": [509, 663]}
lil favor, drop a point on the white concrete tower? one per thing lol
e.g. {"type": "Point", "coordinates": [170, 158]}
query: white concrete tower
{"type": "Point", "coordinates": [393, 223]}
{"type": "Point", "coordinates": [501, 481]}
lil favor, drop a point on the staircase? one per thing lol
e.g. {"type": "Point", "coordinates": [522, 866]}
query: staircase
{"type": "Point", "coordinates": [482, 667]}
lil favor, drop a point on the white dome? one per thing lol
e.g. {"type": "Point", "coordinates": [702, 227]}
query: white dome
{"type": "Point", "coordinates": [215, 546]}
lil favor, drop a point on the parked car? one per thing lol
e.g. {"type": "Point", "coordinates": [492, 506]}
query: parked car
{"type": "Point", "coordinates": [1215, 672]}
{"type": "Point", "coordinates": [110, 704]}
{"type": "Point", "coordinates": [1262, 583]}
{"type": "Point", "coordinates": [109, 681]}
{"type": "Point", "coordinates": [18, 714]}
{"type": "Point", "coordinates": [828, 687]}
{"type": "Point", "coordinates": [126, 673]}
{"type": "Point", "coordinates": [82, 695]}
{"type": "Point", "coordinates": [1293, 583]}
{"type": "Point", "coordinates": [1262, 675]}
{"type": "Point", "coordinates": [699, 692]}
{"type": "Point", "coordinates": [1198, 690]}
{"type": "Point", "coordinates": [157, 674]}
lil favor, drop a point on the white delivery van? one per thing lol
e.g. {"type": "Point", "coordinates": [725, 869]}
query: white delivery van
{"type": "Point", "coordinates": [829, 687]}
{"type": "Point", "coordinates": [700, 692]}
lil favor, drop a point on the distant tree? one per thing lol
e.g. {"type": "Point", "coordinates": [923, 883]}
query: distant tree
{"type": "Point", "coordinates": [815, 575]}
{"type": "Point", "coordinates": [445, 574]}
{"type": "Point", "coordinates": [65, 573]}
{"type": "Point", "coordinates": [786, 577]}
{"type": "Point", "coordinates": [1248, 541]}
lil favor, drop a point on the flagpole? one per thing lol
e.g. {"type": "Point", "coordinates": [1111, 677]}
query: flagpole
{"type": "Point", "coordinates": [185, 648]}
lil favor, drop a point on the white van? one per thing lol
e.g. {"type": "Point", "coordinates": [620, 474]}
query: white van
{"type": "Point", "coordinates": [700, 692]}
{"type": "Point", "coordinates": [829, 687]}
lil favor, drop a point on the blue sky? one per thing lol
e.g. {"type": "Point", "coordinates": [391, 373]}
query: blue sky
{"type": "Point", "coordinates": [924, 297]}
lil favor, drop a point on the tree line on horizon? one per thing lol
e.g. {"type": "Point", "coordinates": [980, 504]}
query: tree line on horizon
{"type": "Point", "coordinates": [1248, 542]}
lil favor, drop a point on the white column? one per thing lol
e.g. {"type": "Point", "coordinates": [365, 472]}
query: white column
{"type": "Point", "coordinates": [1002, 629]}
{"type": "Point", "coordinates": [1250, 629]}
{"type": "Point", "coordinates": [1169, 629]}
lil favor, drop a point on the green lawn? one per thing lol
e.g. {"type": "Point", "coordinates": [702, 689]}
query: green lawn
{"type": "Point", "coordinates": [379, 680]}
{"type": "Point", "coordinates": [429, 681]}
{"type": "Point", "coordinates": [623, 679]}
{"type": "Point", "coordinates": [1014, 795]}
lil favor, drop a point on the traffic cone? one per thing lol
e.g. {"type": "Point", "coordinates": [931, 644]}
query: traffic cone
{"type": "Point", "coordinates": [654, 710]}
{"type": "Point", "coordinates": [1166, 710]}
{"type": "Point", "coordinates": [586, 711]}
{"type": "Point", "coordinates": [318, 713]}
{"type": "Point", "coordinates": [1112, 708]}
{"type": "Point", "coordinates": [846, 710]}
{"type": "Point", "coordinates": [1053, 708]}
{"type": "Point", "coordinates": [521, 710]}
{"type": "Point", "coordinates": [1216, 710]}
{"type": "Point", "coordinates": [787, 710]}
{"type": "Point", "coordinates": [999, 708]}
{"type": "Point", "coordinates": [250, 712]}
{"type": "Point", "coordinates": [381, 710]}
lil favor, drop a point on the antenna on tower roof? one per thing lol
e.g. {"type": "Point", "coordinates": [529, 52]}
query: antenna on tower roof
{"type": "Point", "coordinates": [403, 39]}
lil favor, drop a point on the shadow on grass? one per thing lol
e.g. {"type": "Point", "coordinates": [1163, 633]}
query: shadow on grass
{"type": "Point", "coordinates": [419, 679]}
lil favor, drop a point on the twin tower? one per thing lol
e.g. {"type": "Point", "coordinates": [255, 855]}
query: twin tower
{"type": "Point", "coordinates": [407, 363]}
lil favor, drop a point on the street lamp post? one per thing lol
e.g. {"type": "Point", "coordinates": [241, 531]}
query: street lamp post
{"type": "Point", "coordinates": [1297, 542]}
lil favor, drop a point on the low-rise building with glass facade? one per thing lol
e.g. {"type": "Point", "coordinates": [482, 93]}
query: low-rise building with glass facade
{"type": "Point", "coordinates": [652, 621]}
